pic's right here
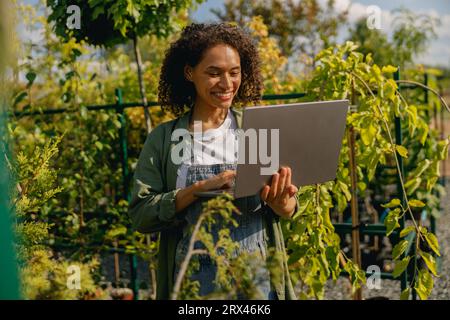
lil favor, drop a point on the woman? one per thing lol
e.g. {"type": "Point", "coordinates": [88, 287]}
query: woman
{"type": "Point", "coordinates": [207, 70]}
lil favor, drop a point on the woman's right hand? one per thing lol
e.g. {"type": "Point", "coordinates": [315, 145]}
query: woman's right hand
{"type": "Point", "coordinates": [223, 180]}
{"type": "Point", "coordinates": [185, 196]}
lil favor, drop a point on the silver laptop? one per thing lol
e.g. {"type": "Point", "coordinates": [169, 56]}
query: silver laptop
{"type": "Point", "coordinates": [307, 137]}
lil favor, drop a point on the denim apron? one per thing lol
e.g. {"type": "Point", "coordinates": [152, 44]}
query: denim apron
{"type": "Point", "coordinates": [249, 234]}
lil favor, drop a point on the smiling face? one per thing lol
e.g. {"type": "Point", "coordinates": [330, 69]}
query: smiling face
{"type": "Point", "coordinates": [216, 77]}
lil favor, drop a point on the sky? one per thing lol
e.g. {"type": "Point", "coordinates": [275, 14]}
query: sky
{"type": "Point", "coordinates": [438, 52]}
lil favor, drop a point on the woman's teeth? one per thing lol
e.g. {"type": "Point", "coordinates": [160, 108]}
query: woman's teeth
{"type": "Point", "coordinates": [223, 95]}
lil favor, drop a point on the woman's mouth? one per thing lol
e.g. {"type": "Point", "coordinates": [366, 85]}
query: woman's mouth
{"type": "Point", "coordinates": [223, 96]}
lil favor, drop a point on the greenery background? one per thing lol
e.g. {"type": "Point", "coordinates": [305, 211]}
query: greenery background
{"type": "Point", "coordinates": [67, 166]}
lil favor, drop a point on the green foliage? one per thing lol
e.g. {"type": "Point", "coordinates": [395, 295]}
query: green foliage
{"type": "Point", "coordinates": [411, 34]}
{"type": "Point", "coordinates": [43, 277]}
{"type": "Point", "coordinates": [236, 273]}
{"type": "Point", "coordinates": [91, 211]}
{"type": "Point", "coordinates": [344, 73]}
{"type": "Point", "coordinates": [313, 246]}
{"type": "Point", "coordinates": [35, 178]}
{"type": "Point", "coordinates": [286, 20]}
{"type": "Point", "coordinates": [110, 22]}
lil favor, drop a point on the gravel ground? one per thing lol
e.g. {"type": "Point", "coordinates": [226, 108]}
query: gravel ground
{"type": "Point", "coordinates": [390, 289]}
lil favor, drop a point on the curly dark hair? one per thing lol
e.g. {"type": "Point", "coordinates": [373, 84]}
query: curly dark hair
{"type": "Point", "coordinates": [175, 93]}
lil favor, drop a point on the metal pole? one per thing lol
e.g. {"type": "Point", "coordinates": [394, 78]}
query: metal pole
{"type": "Point", "coordinates": [9, 280]}
{"type": "Point", "coordinates": [125, 175]}
{"type": "Point", "coordinates": [356, 250]}
{"type": "Point", "coordinates": [443, 133]}
{"type": "Point", "coordinates": [426, 102]}
{"type": "Point", "coordinates": [398, 140]}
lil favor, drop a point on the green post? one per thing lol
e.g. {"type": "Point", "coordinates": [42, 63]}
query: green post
{"type": "Point", "coordinates": [9, 280]}
{"type": "Point", "coordinates": [125, 181]}
{"type": "Point", "coordinates": [398, 140]}
{"type": "Point", "coordinates": [425, 99]}
{"type": "Point", "coordinates": [426, 102]}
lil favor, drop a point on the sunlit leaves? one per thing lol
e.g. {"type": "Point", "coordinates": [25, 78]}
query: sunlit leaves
{"type": "Point", "coordinates": [416, 203]}
{"type": "Point", "coordinates": [430, 261]}
{"type": "Point", "coordinates": [405, 294]}
{"type": "Point", "coordinates": [412, 185]}
{"type": "Point", "coordinates": [402, 151]}
{"type": "Point", "coordinates": [432, 241]}
{"type": "Point", "coordinates": [424, 284]}
{"type": "Point", "coordinates": [400, 266]}
{"type": "Point", "coordinates": [368, 134]}
{"type": "Point", "coordinates": [399, 249]}
{"type": "Point", "coordinates": [391, 221]}
{"type": "Point", "coordinates": [407, 231]}
{"type": "Point", "coordinates": [392, 204]}
{"type": "Point", "coordinates": [357, 276]}
{"type": "Point", "coordinates": [389, 69]}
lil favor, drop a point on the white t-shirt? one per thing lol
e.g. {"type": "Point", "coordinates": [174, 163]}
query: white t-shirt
{"type": "Point", "coordinates": [214, 146]}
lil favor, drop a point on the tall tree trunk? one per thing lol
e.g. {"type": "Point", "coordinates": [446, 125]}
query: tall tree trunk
{"type": "Point", "coordinates": [137, 55]}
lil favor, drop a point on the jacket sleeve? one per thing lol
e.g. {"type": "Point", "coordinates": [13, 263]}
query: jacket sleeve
{"type": "Point", "coordinates": [151, 209]}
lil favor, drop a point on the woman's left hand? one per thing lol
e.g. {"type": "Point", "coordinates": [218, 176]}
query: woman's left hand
{"type": "Point", "coordinates": [280, 195]}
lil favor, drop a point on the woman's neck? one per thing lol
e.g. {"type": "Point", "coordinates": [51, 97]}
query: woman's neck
{"type": "Point", "coordinates": [210, 117]}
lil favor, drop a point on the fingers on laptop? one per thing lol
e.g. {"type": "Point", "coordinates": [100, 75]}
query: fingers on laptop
{"type": "Point", "coordinates": [227, 177]}
{"type": "Point", "coordinates": [280, 185]}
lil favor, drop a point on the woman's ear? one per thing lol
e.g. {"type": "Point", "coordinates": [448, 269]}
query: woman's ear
{"type": "Point", "coordinates": [188, 73]}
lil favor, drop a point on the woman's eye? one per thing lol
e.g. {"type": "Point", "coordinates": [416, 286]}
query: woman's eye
{"type": "Point", "coordinates": [235, 74]}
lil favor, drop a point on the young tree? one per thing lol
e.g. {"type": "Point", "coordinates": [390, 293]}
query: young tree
{"type": "Point", "coordinates": [299, 26]}
{"type": "Point", "coordinates": [411, 34]}
{"type": "Point", "coordinates": [110, 22]}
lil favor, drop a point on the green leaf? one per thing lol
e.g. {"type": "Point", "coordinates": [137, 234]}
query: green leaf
{"type": "Point", "coordinates": [406, 231]}
{"type": "Point", "coordinates": [22, 95]}
{"type": "Point", "coordinates": [429, 261]}
{"type": "Point", "coordinates": [399, 249]}
{"type": "Point", "coordinates": [98, 10]}
{"type": "Point", "coordinates": [31, 76]}
{"type": "Point", "coordinates": [405, 294]}
{"type": "Point", "coordinates": [416, 203]}
{"type": "Point", "coordinates": [424, 284]}
{"type": "Point", "coordinates": [391, 221]}
{"type": "Point", "coordinates": [345, 190]}
{"type": "Point", "coordinates": [442, 149]}
{"type": "Point", "coordinates": [400, 266]}
{"type": "Point", "coordinates": [412, 185]}
{"type": "Point", "coordinates": [368, 134]}
{"type": "Point", "coordinates": [402, 151]}
{"type": "Point", "coordinates": [393, 203]}
{"type": "Point", "coordinates": [99, 145]}
{"type": "Point", "coordinates": [432, 242]}
{"type": "Point", "coordinates": [113, 233]}
{"type": "Point", "coordinates": [424, 165]}
{"type": "Point", "coordinates": [76, 52]}
{"type": "Point", "coordinates": [389, 69]}
{"type": "Point", "coordinates": [295, 256]}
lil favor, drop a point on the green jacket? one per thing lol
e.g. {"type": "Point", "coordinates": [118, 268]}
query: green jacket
{"type": "Point", "coordinates": [152, 206]}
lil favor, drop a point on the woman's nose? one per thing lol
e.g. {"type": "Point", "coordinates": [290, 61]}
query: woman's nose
{"type": "Point", "coordinates": [225, 82]}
